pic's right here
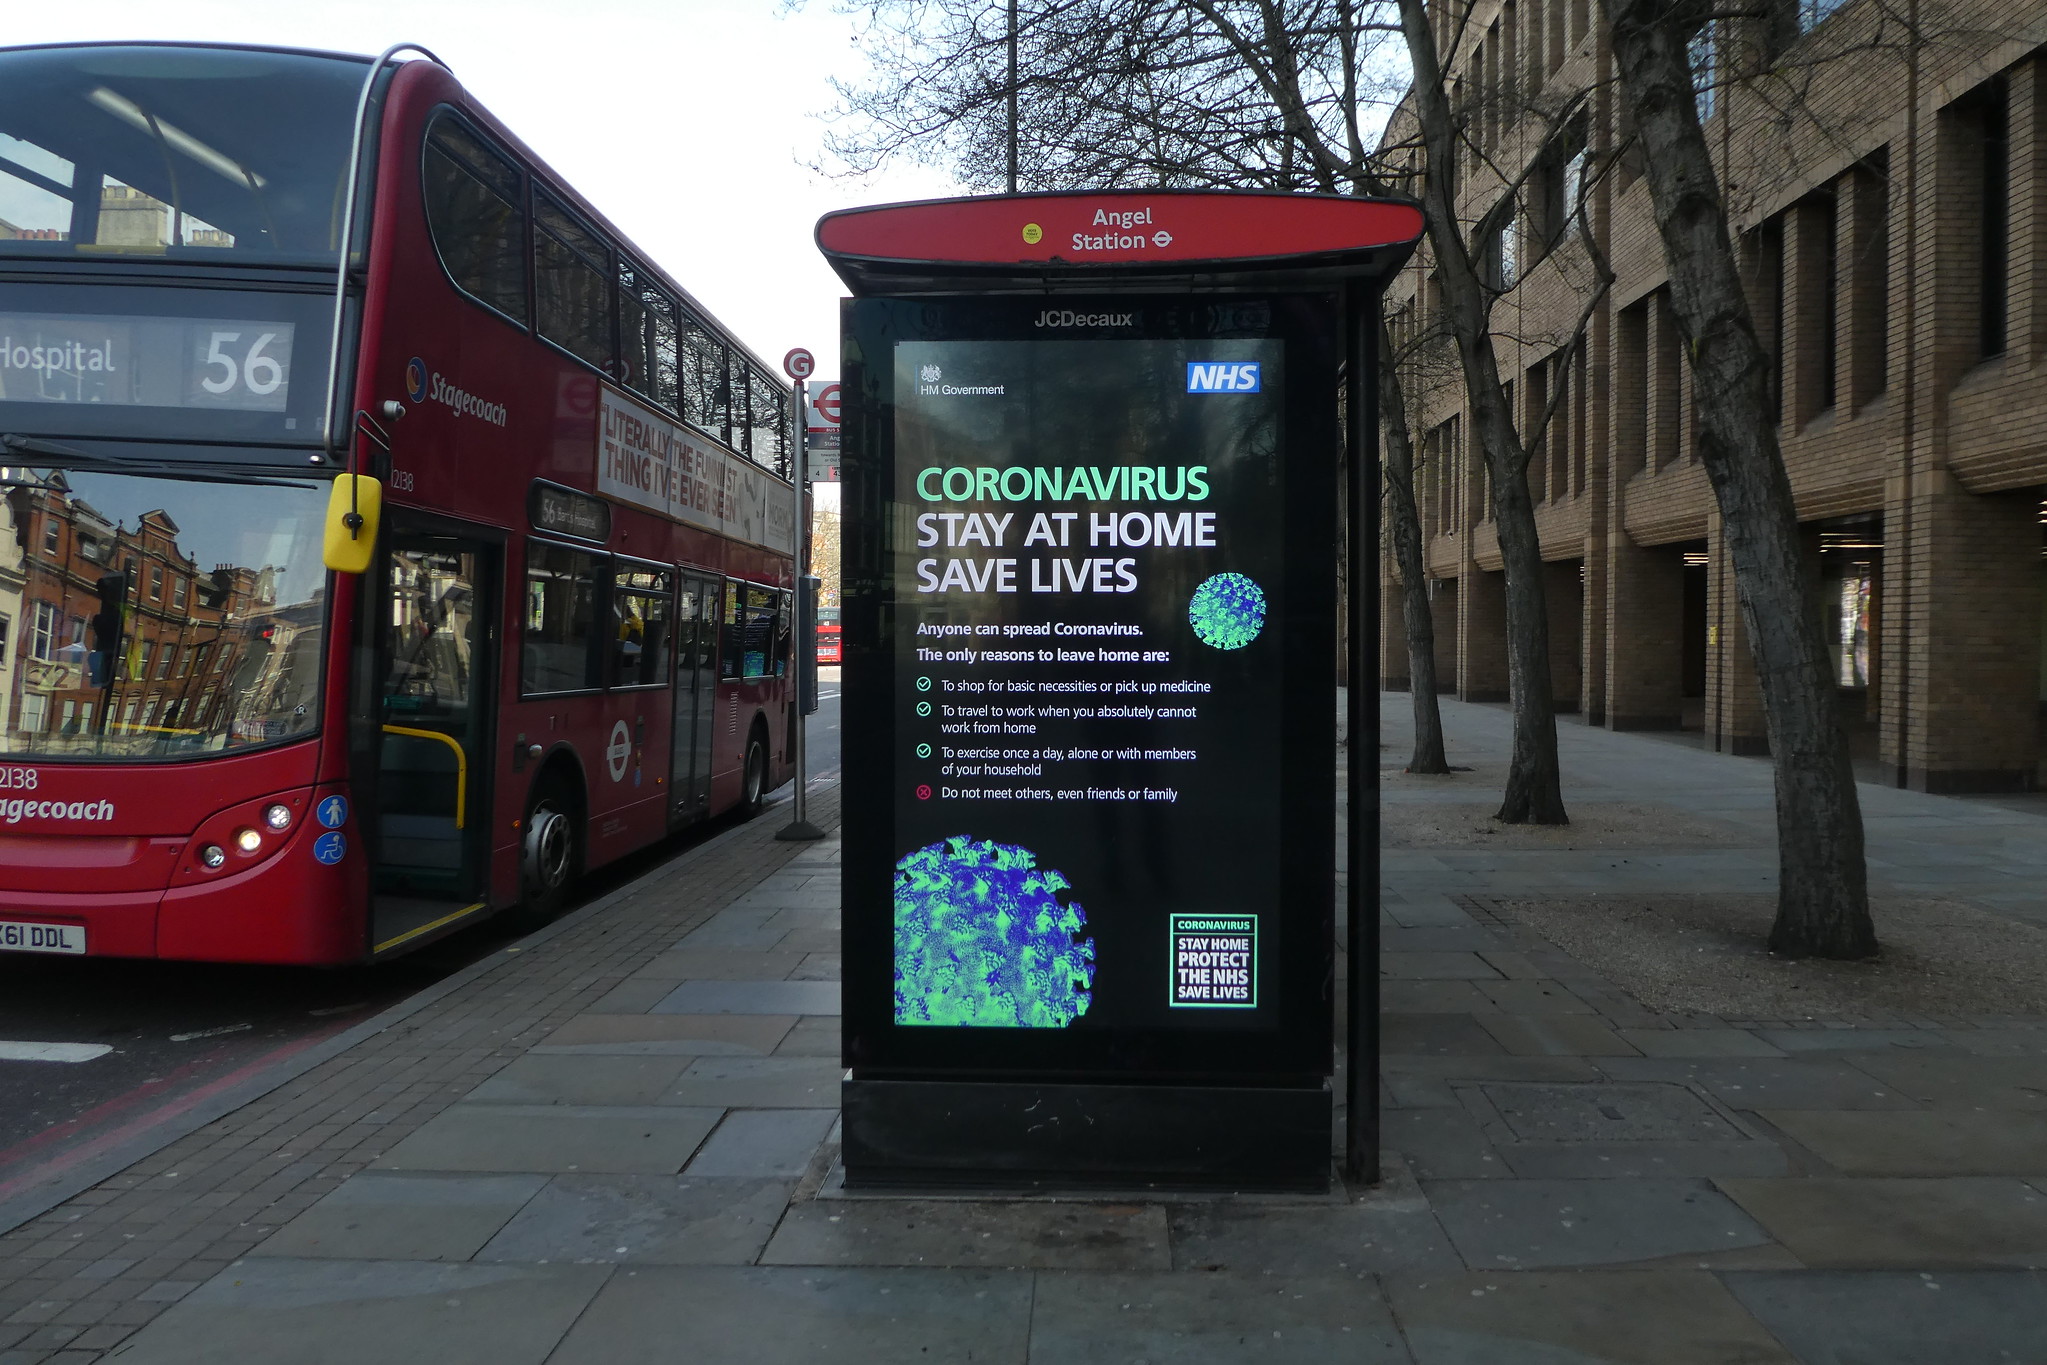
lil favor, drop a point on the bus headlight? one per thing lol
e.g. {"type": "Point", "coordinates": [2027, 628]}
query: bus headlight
{"type": "Point", "coordinates": [213, 855]}
{"type": "Point", "coordinates": [277, 817]}
{"type": "Point", "coordinates": [247, 840]}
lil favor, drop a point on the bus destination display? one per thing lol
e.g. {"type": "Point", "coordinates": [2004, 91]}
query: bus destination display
{"type": "Point", "coordinates": [160, 362]}
{"type": "Point", "coordinates": [1088, 576]}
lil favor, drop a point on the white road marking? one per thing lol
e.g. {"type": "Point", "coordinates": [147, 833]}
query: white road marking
{"type": "Point", "coordinates": [52, 1052]}
{"type": "Point", "coordinates": [210, 1032]}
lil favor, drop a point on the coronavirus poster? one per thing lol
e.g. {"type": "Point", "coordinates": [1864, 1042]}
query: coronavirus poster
{"type": "Point", "coordinates": [1091, 580]}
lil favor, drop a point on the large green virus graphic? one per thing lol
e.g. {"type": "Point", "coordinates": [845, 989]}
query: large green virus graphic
{"type": "Point", "coordinates": [1227, 611]}
{"type": "Point", "coordinates": [984, 939]}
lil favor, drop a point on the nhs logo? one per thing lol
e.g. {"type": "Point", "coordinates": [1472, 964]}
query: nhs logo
{"type": "Point", "coordinates": [1223, 376]}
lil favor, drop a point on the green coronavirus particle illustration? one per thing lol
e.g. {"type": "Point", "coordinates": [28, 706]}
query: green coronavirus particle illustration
{"type": "Point", "coordinates": [1227, 611]}
{"type": "Point", "coordinates": [985, 938]}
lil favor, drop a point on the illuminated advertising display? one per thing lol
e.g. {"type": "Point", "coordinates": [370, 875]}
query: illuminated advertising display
{"type": "Point", "coordinates": [1089, 614]}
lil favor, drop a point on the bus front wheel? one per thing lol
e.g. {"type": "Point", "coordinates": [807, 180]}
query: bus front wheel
{"type": "Point", "coordinates": [548, 856]}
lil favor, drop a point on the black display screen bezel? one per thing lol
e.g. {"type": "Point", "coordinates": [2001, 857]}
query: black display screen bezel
{"type": "Point", "coordinates": [1299, 1049]}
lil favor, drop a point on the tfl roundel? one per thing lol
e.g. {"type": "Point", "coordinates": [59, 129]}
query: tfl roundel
{"type": "Point", "coordinates": [415, 379]}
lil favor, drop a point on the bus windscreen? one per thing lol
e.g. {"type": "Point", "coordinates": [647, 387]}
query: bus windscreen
{"type": "Point", "coordinates": [186, 152]}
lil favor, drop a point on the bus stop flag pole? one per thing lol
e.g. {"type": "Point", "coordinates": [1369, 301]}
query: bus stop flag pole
{"type": "Point", "coordinates": [798, 364]}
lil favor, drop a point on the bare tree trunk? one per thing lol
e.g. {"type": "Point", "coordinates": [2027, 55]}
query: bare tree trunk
{"type": "Point", "coordinates": [1403, 522]}
{"type": "Point", "coordinates": [1534, 792]}
{"type": "Point", "coordinates": [1822, 890]}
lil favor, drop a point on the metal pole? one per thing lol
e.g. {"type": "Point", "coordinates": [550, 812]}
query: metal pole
{"type": "Point", "coordinates": [1361, 825]}
{"type": "Point", "coordinates": [1012, 96]}
{"type": "Point", "coordinates": [799, 827]}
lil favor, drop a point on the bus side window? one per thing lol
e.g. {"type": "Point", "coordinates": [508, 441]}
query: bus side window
{"type": "Point", "coordinates": [785, 623]}
{"type": "Point", "coordinates": [646, 330]}
{"type": "Point", "coordinates": [757, 657]}
{"type": "Point", "coordinates": [572, 279]}
{"type": "Point", "coordinates": [732, 637]}
{"type": "Point", "coordinates": [475, 213]}
{"type": "Point", "coordinates": [768, 417]}
{"type": "Point", "coordinates": [560, 619]}
{"type": "Point", "coordinates": [705, 400]}
{"type": "Point", "coordinates": [639, 623]}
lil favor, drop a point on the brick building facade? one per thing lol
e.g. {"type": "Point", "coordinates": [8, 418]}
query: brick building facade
{"type": "Point", "coordinates": [1888, 191]}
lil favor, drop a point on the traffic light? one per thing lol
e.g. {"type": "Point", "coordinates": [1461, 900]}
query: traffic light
{"type": "Point", "coordinates": [109, 623]}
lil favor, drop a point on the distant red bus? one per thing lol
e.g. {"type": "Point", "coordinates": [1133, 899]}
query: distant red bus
{"type": "Point", "coordinates": [284, 678]}
{"type": "Point", "coordinates": [828, 635]}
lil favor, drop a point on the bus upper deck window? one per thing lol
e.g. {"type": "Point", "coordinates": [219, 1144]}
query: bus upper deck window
{"type": "Point", "coordinates": [474, 208]}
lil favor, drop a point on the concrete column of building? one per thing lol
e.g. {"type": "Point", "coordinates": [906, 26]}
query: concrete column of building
{"type": "Point", "coordinates": [1734, 698]}
{"type": "Point", "coordinates": [1563, 591]}
{"type": "Point", "coordinates": [1481, 635]}
{"type": "Point", "coordinates": [1644, 644]}
{"type": "Point", "coordinates": [1972, 609]}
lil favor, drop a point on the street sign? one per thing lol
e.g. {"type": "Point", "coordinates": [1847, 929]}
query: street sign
{"type": "Point", "coordinates": [799, 363]}
{"type": "Point", "coordinates": [821, 402]}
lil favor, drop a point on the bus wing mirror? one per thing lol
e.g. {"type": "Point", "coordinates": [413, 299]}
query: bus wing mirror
{"type": "Point", "coordinates": [353, 508]}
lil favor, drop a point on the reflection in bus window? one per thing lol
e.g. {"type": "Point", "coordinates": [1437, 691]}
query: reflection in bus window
{"type": "Point", "coordinates": [755, 633]}
{"type": "Point", "coordinates": [639, 628]}
{"type": "Point", "coordinates": [705, 393]}
{"type": "Point", "coordinates": [430, 633]}
{"type": "Point", "coordinates": [646, 330]}
{"type": "Point", "coordinates": [572, 283]}
{"type": "Point", "coordinates": [473, 208]}
{"type": "Point", "coordinates": [152, 151]}
{"type": "Point", "coordinates": [100, 668]}
{"type": "Point", "coordinates": [560, 619]}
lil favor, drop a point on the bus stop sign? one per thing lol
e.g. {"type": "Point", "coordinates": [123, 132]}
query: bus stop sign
{"type": "Point", "coordinates": [1091, 452]}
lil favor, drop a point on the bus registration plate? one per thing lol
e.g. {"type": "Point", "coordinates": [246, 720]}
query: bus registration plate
{"type": "Point", "coordinates": [41, 938]}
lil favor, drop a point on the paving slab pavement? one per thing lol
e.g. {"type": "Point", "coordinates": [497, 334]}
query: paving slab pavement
{"type": "Point", "coordinates": [619, 1146]}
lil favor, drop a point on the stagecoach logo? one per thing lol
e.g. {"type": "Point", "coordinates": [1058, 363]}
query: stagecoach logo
{"type": "Point", "coordinates": [422, 386]}
{"type": "Point", "coordinates": [618, 751]}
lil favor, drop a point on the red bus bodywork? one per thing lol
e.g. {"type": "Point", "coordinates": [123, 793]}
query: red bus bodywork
{"type": "Point", "coordinates": [135, 885]}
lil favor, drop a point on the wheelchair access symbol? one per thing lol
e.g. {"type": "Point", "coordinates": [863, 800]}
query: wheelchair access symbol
{"type": "Point", "coordinates": [330, 847]}
{"type": "Point", "coordinates": [334, 812]}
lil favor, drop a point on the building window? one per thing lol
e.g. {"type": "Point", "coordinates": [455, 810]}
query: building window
{"type": "Point", "coordinates": [178, 591]}
{"type": "Point", "coordinates": [156, 582]}
{"type": "Point", "coordinates": [165, 660]}
{"type": "Point", "coordinates": [6, 628]}
{"type": "Point", "coordinates": [49, 535]}
{"type": "Point", "coordinates": [35, 712]}
{"type": "Point", "coordinates": [1828, 220]}
{"type": "Point", "coordinates": [42, 632]}
{"type": "Point", "coordinates": [1992, 113]}
{"type": "Point", "coordinates": [1812, 13]}
{"type": "Point", "coordinates": [1705, 52]}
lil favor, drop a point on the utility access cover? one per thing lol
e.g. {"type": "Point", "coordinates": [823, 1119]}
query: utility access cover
{"type": "Point", "coordinates": [1652, 1112]}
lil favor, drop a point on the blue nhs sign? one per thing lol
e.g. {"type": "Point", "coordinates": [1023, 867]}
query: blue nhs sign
{"type": "Point", "coordinates": [1222, 376]}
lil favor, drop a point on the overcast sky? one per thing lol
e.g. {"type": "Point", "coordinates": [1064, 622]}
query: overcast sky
{"type": "Point", "coordinates": [688, 122]}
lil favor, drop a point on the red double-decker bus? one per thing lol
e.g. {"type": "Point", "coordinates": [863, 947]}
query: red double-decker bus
{"type": "Point", "coordinates": [829, 635]}
{"type": "Point", "coordinates": [343, 602]}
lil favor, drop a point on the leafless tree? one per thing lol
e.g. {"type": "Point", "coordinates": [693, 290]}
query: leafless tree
{"type": "Point", "coordinates": [1204, 93]}
{"type": "Point", "coordinates": [1822, 891]}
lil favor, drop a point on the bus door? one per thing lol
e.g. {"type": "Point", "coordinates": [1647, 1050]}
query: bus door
{"type": "Point", "coordinates": [438, 668]}
{"type": "Point", "coordinates": [696, 688]}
